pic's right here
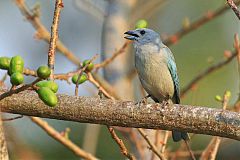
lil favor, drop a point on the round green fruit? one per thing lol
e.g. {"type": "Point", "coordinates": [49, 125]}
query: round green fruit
{"type": "Point", "coordinates": [16, 78]}
{"type": "Point", "coordinates": [43, 72]}
{"type": "Point", "coordinates": [5, 63]}
{"type": "Point", "coordinates": [47, 96]}
{"type": "Point", "coordinates": [82, 79]}
{"type": "Point", "coordinates": [50, 84]}
{"type": "Point", "coordinates": [89, 67]}
{"type": "Point", "coordinates": [16, 65]}
{"type": "Point", "coordinates": [141, 24]}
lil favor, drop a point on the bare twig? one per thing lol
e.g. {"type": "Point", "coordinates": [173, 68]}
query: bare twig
{"type": "Point", "coordinates": [165, 141]}
{"type": "Point", "coordinates": [114, 55]}
{"type": "Point", "coordinates": [234, 8]}
{"type": "Point", "coordinates": [100, 87]}
{"type": "Point", "coordinates": [120, 143]}
{"type": "Point", "coordinates": [54, 37]}
{"type": "Point", "coordinates": [213, 154]}
{"type": "Point", "coordinates": [183, 154]}
{"type": "Point", "coordinates": [11, 119]}
{"type": "Point", "coordinates": [42, 32]}
{"type": "Point", "coordinates": [195, 25]}
{"type": "Point", "coordinates": [206, 72]}
{"type": "Point", "coordinates": [18, 90]}
{"type": "Point", "coordinates": [237, 48]}
{"type": "Point", "coordinates": [66, 142]}
{"type": "Point", "coordinates": [152, 146]}
{"type": "Point", "coordinates": [189, 150]}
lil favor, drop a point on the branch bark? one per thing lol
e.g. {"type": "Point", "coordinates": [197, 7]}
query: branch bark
{"type": "Point", "coordinates": [3, 144]}
{"type": "Point", "coordinates": [195, 119]}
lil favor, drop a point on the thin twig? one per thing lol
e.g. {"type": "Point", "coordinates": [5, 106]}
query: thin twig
{"type": "Point", "coordinates": [152, 146]}
{"type": "Point", "coordinates": [54, 37]}
{"type": "Point", "coordinates": [114, 55]}
{"type": "Point", "coordinates": [42, 32]}
{"type": "Point", "coordinates": [189, 149]}
{"type": "Point", "coordinates": [11, 119]}
{"type": "Point", "coordinates": [213, 154]}
{"type": "Point", "coordinates": [237, 48]}
{"type": "Point", "coordinates": [206, 72]}
{"type": "Point", "coordinates": [101, 88]}
{"type": "Point", "coordinates": [66, 142]}
{"type": "Point", "coordinates": [120, 143]}
{"type": "Point", "coordinates": [18, 90]}
{"type": "Point", "coordinates": [195, 25]}
{"type": "Point", "coordinates": [81, 72]}
{"type": "Point", "coordinates": [183, 154]}
{"type": "Point", "coordinates": [165, 141]}
{"type": "Point", "coordinates": [234, 8]}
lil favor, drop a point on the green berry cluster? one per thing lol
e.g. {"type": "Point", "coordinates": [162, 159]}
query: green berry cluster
{"type": "Point", "coordinates": [46, 92]}
{"type": "Point", "coordinates": [14, 66]}
{"type": "Point", "coordinates": [46, 89]}
{"type": "Point", "coordinates": [84, 76]}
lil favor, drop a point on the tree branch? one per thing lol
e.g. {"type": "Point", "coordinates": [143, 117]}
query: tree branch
{"type": "Point", "coordinates": [234, 8]}
{"type": "Point", "coordinates": [195, 119]}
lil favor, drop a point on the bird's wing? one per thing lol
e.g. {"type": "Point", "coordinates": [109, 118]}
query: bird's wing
{"type": "Point", "coordinates": [173, 70]}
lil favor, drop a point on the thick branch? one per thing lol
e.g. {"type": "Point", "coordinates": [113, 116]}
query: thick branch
{"type": "Point", "coordinates": [200, 120]}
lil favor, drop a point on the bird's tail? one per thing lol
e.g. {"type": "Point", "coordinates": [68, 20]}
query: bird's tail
{"type": "Point", "coordinates": [177, 136]}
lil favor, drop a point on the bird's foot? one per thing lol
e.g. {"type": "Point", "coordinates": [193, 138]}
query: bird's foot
{"type": "Point", "coordinates": [143, 100]}
{"type": "Point", "coordinates": [164, 103]}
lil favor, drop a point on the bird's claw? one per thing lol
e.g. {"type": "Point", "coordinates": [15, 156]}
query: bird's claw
{"type": "Point", "coordinates": [164, 103]}
{"type": "Point", "coordinates": [143, 100]}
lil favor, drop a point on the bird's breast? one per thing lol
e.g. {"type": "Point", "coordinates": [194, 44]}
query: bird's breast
{"type": "Point", "coordinates": [154, 74]}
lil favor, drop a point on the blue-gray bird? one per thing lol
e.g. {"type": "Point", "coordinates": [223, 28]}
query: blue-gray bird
{"type": "Point", "coordinates": [156, 69]}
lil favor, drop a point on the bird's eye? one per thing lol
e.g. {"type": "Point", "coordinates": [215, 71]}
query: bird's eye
{"type": "Point", "coordinates": [142, 32]}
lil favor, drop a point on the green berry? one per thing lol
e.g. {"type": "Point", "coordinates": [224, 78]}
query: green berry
{"type": "Point", "coordinates": [82, 79]}
{"type": "Point", "coordinates": [228, 94]}
{"type": "Point", "coordinates": [43, 72]}
{"type": "Point", "coordinates": [5, 63]}
{"type": "Point", "coordinates": [16, 65]}
{"type": "Point", "coordinates": [141, 24]}
{"type": "Point", "coordinates": [16, 78]}
{"type": "Point", "coordinates": [218, 98]}
{"type": "Point", "coordinates": [47, 96]}
{"type": "Point", "coordinates": [89, 67]}
{"type": "Point", "coordinates": [50, 84]}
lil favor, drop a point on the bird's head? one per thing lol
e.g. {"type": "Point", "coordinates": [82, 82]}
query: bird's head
{"type": "Point", "coordinates": [143, 36]}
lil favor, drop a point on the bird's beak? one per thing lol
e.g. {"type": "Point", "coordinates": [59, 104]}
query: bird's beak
{"type": "Point", "coordinates": [131, 35]}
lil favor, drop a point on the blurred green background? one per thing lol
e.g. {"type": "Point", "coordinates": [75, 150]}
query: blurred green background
{"type": "Point", "coordinates": [81, 33]}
